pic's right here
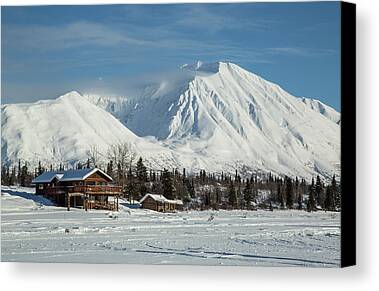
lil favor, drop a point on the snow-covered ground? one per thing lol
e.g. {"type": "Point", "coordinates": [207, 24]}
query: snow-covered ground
{"type": "Point", "coordinates": [35, 231]}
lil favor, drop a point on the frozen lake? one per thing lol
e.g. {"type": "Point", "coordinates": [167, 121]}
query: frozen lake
{"type": "Point", "coordinates": [34, 231]}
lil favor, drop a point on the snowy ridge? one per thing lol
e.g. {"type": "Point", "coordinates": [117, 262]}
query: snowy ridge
{"type": "Point", "coordinates": [63, 130]}
{"type": "Point", "coordinates": [233, 116]}
{"type": "Point", "coordinates": [220, 119]}
{"type": "Point", "coordinates": [323, 109]}
{"type": "Point", "coordinates": [110, 104]}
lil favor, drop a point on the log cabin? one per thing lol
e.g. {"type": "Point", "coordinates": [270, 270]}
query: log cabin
{"type": "Point", "coordinates": [82, 188]}
{"type": "Point", "coordinates": [160, 203]}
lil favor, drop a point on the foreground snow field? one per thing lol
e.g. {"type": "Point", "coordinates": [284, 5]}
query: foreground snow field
{"type": "Point", "coordinates": [35, 231]}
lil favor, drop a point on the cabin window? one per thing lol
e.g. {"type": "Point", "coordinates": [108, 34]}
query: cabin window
{"type": "Point", "coordinates": [40, 186]}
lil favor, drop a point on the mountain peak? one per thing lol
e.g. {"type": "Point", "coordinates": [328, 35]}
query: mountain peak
{"type": "Point", "coordinates": [222, 119]}
{"type": "Point", "coordinates": [212, 67]}
{"type": "Point", "coordinates": [200, 66]}
{"type": "Point", "coordinates": [71, 95]}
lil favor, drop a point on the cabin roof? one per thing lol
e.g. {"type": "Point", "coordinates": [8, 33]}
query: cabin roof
{"type": "Point", "coordinates": [69, 175]}
{"type": "Point", "coordinates": [161, 198]}
{"type": "Point", "coordinates": [82, 174]}
{"type": "Point", "coordinates": [47, 177]}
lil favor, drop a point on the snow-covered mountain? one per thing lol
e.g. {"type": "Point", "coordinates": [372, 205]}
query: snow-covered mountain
{"type": "Point", "coordinates": [323, 109]}
{"type": "Point", "coordinates": [64, 130]}
{"type": "Point", "coordinates": [230, 115]}
{"type": "Point", "coordinates": [220, 119]}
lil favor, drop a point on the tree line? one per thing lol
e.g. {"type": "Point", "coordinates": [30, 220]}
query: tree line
{"type": "Point", "coordinates": [201, 190]}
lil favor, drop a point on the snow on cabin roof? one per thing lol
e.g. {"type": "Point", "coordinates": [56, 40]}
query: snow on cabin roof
{"type": "Point", "coordinates": [161, 198]}
{"type": "Point", "coordinates": [155, 197]}
{"type": "Point", "coordinates": [179, 202]}
{"type": "Point", "coordinates": [69, 175]}
{"type": "Point", "coordinates": [81, 174]}
{"type": "Point", "coordinates": [47, 177]}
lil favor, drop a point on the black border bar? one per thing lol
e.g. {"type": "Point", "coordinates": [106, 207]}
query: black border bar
{"type": "Point", "coordinates": [348, 134]}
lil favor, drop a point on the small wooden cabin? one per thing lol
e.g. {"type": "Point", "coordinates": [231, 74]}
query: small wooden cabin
{"type": "Point", "coordinates": [160, 203]}
{"type": "Point", "coordinates": [84, 188]}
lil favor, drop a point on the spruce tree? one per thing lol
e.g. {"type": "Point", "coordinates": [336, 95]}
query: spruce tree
{"type": "Point", "coordinates": [239, 194]}
{"type": "Point", "coordinates": [217, 196]}
{"type": "Point", "coordinates": [300, 196]}
{"type": "Point", "coordinates": [311, 203]}
{"type": "Point", "coordinates": [190, 187]}
{"type": "Point", "coordinates": [232, 195]}
{"type": "Point", "coordinates": [184, 174]}
{"type": "Point", "coordinates": [23, 176]}
{"type": "Point", "coordinates": [206, 200]}
{"type": "Point", "coordinates": [4, 175]}
{"type": "Point", "coordinates": [40, 169]}
{"type": "Point", "coordinates": [247, 193]}
{"type": "Point", "coordinates": [279, 194]}
{"type": "Point", "coordinates": [141, 171]}
{"type": "Point", "coordinates": [204, 176]}
{"type": "Point", "coordinates": [336, 193]}
{"type": "Point", "coordinates": [12, 177]}
{"type": "Point", "coordinates": [297, 190]}
{"type": "Point", "coordinates": [167, 185]}
{"type": "Point", "coordinates": [131, 189]}
{"type": "Point", "coordinates": [329, 199]}
{"type": "Point", "coordinates": [289, 192]}
{"type": "Point", "coordinates": [319, 191]}
{"type": "Point", "coordinates": [19, 172]}
{"type": "Point", "coordinates": [299, 202]}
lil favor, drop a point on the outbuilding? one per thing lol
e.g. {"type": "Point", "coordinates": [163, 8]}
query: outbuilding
{"type": "Point", "coordinates": [160, 203]}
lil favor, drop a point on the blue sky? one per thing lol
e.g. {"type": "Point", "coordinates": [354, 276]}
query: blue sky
{"type": "Point", "coordinates": [49, 50]}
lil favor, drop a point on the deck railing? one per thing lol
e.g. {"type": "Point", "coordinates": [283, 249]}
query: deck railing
{"type": "Point", "coordinates": [85, 189]}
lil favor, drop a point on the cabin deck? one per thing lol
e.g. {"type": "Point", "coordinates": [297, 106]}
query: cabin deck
{"type": "Point", "coordinates": [86, 196]}
{"type": "Point", "coordinates": [84, 189]}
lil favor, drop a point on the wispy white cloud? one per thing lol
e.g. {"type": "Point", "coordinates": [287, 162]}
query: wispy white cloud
{"type": "Point", "coordinates": [300, 51]}
{"type": "Point", "coordinates": [125, 43]}
{"type": "Point", "coordinates": [71, 35]}
{"type": "Point", "coordinates": [211, 20]}
{"type": "Point", "coordinates": [169, 29]}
